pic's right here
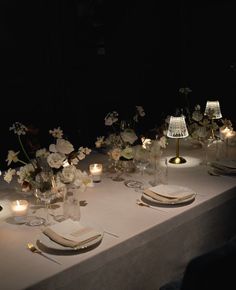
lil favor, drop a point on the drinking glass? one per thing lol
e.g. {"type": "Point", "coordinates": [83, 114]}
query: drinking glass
{"type": "Point", "coordinates": [44, 190]}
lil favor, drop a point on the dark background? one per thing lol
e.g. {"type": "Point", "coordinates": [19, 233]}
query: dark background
{"type": "Point", "coordinates": [68, 63]}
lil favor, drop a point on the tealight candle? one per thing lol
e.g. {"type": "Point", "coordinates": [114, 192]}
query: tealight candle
{"type": "Point", "coordinates": [96, 171]}
{"type": "Point", "coordinates": [224, 132]}
{"type": "Point", "coordinates": [19, 209]}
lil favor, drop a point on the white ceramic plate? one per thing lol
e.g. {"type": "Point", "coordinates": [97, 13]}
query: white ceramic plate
{"type": "Point", "coordinates": [171, 201]}
{"type": "Point", "coordinates": [48, 243]}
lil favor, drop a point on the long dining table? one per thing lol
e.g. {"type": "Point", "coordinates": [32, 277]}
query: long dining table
{"type": "Point", "coordinates": [142, 247]}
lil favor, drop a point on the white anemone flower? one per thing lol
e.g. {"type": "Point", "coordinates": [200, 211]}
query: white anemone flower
{"type": "Point", "coordinates": [83, 180]}
{"type": "Point", "coordinates": [9, 175]}
{"type": "Point", "coordinates": [25, 173]}
{"type": "Point", "coordinates": [68, 174]}
{"type": "Point", "coordinates": [129, 136]}
{"type": "Point", "coordinates": [42, 153]}
{"type": "Point", "coordinates": [62, 146]}
{"type": "Point", "coordinates": [56, 160]}
{"type": "Point", "coordinates": [12, 157]}
{"type": "Point", "coordinates": [56, 132]}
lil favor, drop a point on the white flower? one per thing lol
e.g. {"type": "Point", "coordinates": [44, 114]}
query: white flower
{"type": "Point", "coordinates": [25, 173]}
{"type": "Point", "coordinates": [146, 142]}
{"type": "Point", "coordinates": [87, 150]}
{"type": "Point", "coordinates": [9, 174]}
{"type": "Point", "coordinates": [111, 118]}
{"type": "Point", "coordinates": [129, 136]}
{"type": "Point", "coordinates": [83, 180]}
{"type": "Point", "coordinates": [163, 142]}
{"type": "Point", "coordinates": [62, 146]}
{"type": "Point", "coordinates": [56, 133]}
{"type": "Point", "coordinates": [12, 157]}
{"type": "Point", "coordinates": [115, 153]}
{"type": "Point", "coordinates": [68, 174]}
{"type": "Point", "coordinates": [84, 150]}
{"type": "Point", "coordinates": [127, 153]}
{"type": "Point", "coordinates": [18, 128]}
{"type": "Point", "coordinates": [99, 142]}
{"type": "Point", "coordinates": [197, 116]}
{"type": "Point", "coordinates": [74, 161]}
{"type": "Point", "coordinates": [55, 160]}
{"type": "Point", "coordinates": [42, 153]}
{"type": "Point", "coordinates": [81, 156]}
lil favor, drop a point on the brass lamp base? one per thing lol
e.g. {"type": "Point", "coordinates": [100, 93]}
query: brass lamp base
{"type": "Point", "coordinates": [177, 160]}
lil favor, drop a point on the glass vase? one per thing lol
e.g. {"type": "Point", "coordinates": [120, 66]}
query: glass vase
{"type": "Point", "coordinates": [71, 203]}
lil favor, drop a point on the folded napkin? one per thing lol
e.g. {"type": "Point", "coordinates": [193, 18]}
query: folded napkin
{"type": "Point", "coordinates": [71, 234]}
{"type": "Point", "coordinates": [228, 167]}
{"type": "Point", "coordinates": [169, 192]}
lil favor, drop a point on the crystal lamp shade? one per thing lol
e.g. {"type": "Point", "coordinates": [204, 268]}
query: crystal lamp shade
{"type": "Point", "coordinates": [213, 107]}
{"type": "Point", "coordinates": [177, 128]}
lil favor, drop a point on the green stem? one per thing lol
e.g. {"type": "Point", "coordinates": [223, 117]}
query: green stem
{"type": "Point", "coordinates": [23, 149]}
{"type": "Point", "coordinates": [23, 162]}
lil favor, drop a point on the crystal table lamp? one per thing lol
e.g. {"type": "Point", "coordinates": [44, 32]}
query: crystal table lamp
{"type": "Point", "coordinates": [177, 129]}
{"type": "Point", "coordinates": [213, 108]}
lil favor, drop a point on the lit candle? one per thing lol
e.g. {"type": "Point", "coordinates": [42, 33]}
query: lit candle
{"type": "Point", "coordinates": [230, 134]}
{"type": "Point", "coordinates": [224, 132]}
{"type": "Point", "coordinates": [96, 171]}
{"type": "Point", "coordinates": [19, 209]}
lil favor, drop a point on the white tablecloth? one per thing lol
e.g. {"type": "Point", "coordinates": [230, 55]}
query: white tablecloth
{"type": "Point", "coordinates": [153, 245]}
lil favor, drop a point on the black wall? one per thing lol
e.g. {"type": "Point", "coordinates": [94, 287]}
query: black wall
{"type": "Point", "coordinates": [68, 63]}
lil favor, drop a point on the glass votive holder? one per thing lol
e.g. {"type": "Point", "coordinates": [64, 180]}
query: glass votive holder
{"type": "Point", "coordinates": [19, 210]}
{"type": "Point", "coordinates": [96, 171]}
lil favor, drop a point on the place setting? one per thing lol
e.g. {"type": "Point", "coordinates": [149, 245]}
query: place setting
{"type": "Point", "coordinates": [222, 167]}
{"type": "Point", "coordinates": [168, 195]}
{"type": "Point", "coordinates": [69, 237]}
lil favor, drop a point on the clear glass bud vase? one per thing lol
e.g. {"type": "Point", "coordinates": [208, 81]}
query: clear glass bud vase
{"type": "Point", "coordinates": [71, 204]}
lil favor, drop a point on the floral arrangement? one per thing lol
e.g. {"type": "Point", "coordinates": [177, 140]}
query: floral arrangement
{"type": "Point", "coordinates": [124, 143]}
{"type": "Point", "coordinates": [203, 127]}
{"type": "Point", "coordinates": [59, 162]}
{"type": "Point", "coordinates": [122, 137]}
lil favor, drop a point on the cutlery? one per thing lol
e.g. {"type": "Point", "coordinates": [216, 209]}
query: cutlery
{"type": "Point", "coordinates": [111, 234]}
{"type": "Point", "coordinates": [141, 203]}
{"type": "Point", "coordinates": [33, 249]}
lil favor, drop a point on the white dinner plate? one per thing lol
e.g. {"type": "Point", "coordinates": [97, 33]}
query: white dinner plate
{"type": "Point", "coordinates": [170, 201]}
{"type": "Point", "coordinates": [50, 244]}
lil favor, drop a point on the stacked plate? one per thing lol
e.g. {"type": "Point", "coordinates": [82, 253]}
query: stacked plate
{"type": "Point", "coordinates": [70, 235]}
{"type": "Point", "coordinates": [169, 194]}
{"type": "Point", "coordinates": [224, 167]}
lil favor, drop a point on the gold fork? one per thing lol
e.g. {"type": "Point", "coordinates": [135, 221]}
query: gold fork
{"type": "Point", "coordinates": [33, 249]}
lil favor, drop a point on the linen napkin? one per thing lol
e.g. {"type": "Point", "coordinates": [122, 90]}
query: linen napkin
{"type": "Point", "coordinates": [224, 167]}
{"type": "Point", "coordinates": [72, 234]}
{"type": "Point", "coordinates": [169, 193]}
